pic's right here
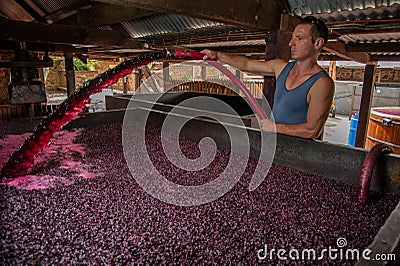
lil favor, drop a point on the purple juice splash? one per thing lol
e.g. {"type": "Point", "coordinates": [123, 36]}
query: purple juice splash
{"type": "Point", "coordinates": [22, 159]}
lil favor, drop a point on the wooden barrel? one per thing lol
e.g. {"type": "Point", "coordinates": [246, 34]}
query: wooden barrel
{"type": "Point", "coordinates": [384, 127]}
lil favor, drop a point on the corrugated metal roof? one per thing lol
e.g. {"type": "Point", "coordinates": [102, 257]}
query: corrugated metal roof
{"type": "Point", "coordinates": [350, 21]}
{"type": "Point", "coordinates": [370, 38]}
{"type": "Point", "coordinates": [384, 12]}
{"type": "Point", "coordinates": [35, 7]}
{"type": "Point", "coordinates": [228, 43]}
{"type": "Point", "coordinates": [173, 25]}
{"type": "Point", "coordinates": [49, 6]}
{"type": "Point", "coordinates": [342, 10]}
{"type": "Point", "coordinates": [166, 27]}
{"type": "Point", "coordinates": [353, 20]}
{"type": "Point", "coordinates": [386, 54]}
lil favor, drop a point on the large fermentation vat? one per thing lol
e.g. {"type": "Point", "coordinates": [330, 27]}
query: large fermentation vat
{"type": "Point", "coordinates": [103, 226]}
{"type": "Point", "coordinates": [384, 127]}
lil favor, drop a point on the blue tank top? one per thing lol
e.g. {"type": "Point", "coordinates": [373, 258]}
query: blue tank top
{"type": "Point", "coordinates": [290, 107]}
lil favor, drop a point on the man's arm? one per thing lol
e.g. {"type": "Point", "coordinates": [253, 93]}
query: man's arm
{"type": "Point", "coordinates": [263, 68]}
{"type": "Point", "coordinates": [320, 100]}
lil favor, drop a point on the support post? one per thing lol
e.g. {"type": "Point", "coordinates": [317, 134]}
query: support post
{"type": "Point", "coordinates": [203, 72]}
{"type": "Point", "coordinates": [126, 84]}
{"type": "Point", "coordinates": [277, 47]}
{"type": "Point", "coordinates": [138, 80]}
{"type": "Point", "coordinates": [166, 77]}
{"type": "Point", "coordinates": [239, 74]}
{"type": "Point", "coordinates": [365, 105]}
{"type": "Point", "coordinates": [332, 69]}
{"type": "Point", "coordinates": [70, 73]}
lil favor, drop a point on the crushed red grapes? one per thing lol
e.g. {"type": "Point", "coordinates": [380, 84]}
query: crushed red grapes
{"type": "Point", "coordinates": [111, 220]}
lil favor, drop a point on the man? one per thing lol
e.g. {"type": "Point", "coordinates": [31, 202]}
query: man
{"type": "Point", "coordinates": [304, 92]}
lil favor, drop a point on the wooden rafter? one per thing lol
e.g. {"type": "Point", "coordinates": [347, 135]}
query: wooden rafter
{"type": "Point", "coordinates": [394, 58]}
{"type": "Point", "coordinates": [261, 14]}
{"type": "Point", "coordinates": [106, 14]}
{"type": "Point", "coordinates": [339, 49]}
{"type": "Point", "coordinates": [12, 9]}
{"type": "Point", "coordinates": [66, 11]}
{"type": "Point", "coordinates": [43, 47]}
{"type": "Point", "coordinates": [248, 49]}
{"type": "Point", "coordinates": [385, 47]}
{"type": "Point", "coordinates": [13, 30]}
{"type": "Point", "coordinates": [32, 12]}
{"type": "Point", "coordinates": [354, 29]}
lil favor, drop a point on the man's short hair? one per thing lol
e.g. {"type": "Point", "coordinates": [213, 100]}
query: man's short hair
{"type": "Point", "coordinates": [319, 29]}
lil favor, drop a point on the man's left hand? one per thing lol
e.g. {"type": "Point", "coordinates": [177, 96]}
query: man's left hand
{"type": "Point", "coordinates": [268, 125]}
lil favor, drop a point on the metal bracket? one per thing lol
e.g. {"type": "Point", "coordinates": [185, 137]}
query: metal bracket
{"type": "Point", "coordinates": [387, 122]}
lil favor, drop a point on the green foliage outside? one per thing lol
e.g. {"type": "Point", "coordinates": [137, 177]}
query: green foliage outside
{"type": "Point", "coordinates": [78, 64]}
{"type": "Point", "coordinates": [57, 61]}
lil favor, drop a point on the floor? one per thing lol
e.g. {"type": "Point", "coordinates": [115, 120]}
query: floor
{"type": "Point", "coordinates": [337, 129]}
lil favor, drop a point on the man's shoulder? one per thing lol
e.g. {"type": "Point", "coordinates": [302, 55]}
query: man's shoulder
{"type": "Point", "coordinates": [327, 79]}
{"type": "Point", "coordinates": [278, 65]}
{"type": "Point", "coordinates": [323, 86]}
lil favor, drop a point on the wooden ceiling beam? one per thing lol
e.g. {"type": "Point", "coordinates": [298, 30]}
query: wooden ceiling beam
{"type": "Point", "coordinates": [67, 11]}
{"type": "Point", "coordinates": [354, 29]}
{"type": "Point", "coordinates": [44, 47]}
{"type": "Point", "coordinates": [37, 47]}
{"type": "Point", "coordinates": [13, 30]}
{"type": "Point", "coordinates": [248, 49]}
{"type": "Point", "coordinates": [330, 57]}
{"type": "Point", "coordinates": [256, 14]}
{"type": "Point", "coordinates": [386, 47]}
{"type": "Point", "coordinates": [106, 14]}
{"type": "Point", "coordinates": [112, 56]}
{"type": "Point", "coordinates": [32, 12]}
{"type": "Point", "coordinates": [12, 9]}
{"type": "Point", "coordinates": [339, 49]}
{"type": "Point", "coordinates": [387, 58]}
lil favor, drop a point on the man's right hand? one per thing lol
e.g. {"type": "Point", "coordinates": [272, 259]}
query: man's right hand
{"type": "Point", "coordinates": [209, 55]}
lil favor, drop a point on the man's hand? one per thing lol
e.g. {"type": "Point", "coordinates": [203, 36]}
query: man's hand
{"type": "Point", "coordinates": [268, 125]}
{"type": "Point", "coordinates": [209, 55]}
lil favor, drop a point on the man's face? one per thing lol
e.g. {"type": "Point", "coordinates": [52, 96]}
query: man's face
{"type": "Point", "coordinates": [301, 45]}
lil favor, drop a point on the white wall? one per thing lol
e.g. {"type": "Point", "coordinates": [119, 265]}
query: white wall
{"type": "Point", "coordinates": [384, 95]}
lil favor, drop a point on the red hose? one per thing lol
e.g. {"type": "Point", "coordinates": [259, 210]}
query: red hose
{"type": "Point", "coordinates": [199, 56]}
{"type": "Point", "coordinates": [367, 168]}
{"type": "Point", "coordinates": [22, 159]}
